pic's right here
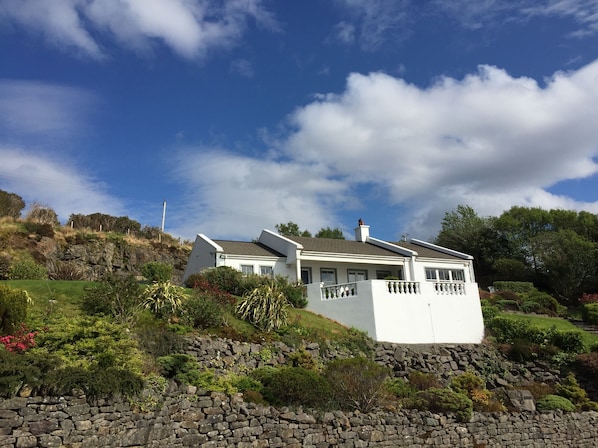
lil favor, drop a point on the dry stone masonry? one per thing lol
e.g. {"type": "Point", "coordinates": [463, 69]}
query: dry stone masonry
{"type": "Point", "coordinates": [186, 417]}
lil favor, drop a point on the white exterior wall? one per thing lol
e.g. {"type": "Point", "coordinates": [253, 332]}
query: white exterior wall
{"type": "Point", "coordinates": [203, 255]}
{"type": "Point", "coordinates": [355, 312]}
{"type": "Point", "coordinates": [278, 265]}
{"type": "Point", "coordinates": [423, 318]}
{"type": "Point", "coordinates": [428, 317]}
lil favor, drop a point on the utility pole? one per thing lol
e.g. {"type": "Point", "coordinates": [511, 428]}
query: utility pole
{"type": "Point", "coordinates": [163, 219]}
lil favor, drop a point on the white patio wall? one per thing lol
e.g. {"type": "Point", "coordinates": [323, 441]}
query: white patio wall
{"type": "Point", "coordinates": [421, 318]}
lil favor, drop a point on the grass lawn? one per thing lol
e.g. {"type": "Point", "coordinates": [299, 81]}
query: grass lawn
{"type": "Point", "coordinates": [302, 324]}
{"type": "Point", "coordinates": [67, 295]}
{"type": "Point", "coordinates": [549, 322]}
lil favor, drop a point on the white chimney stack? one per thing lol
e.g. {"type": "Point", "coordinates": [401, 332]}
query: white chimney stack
{"type": "Point", "coordinates": [362, 232]}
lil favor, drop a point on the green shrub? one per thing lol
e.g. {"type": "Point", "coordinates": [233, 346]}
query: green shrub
{"type": "Point", "coordinates": [447, 400]}
{"type": "Point", "coordinates": [184, 369]}
{"type": "Point", "coordinates": [13, 308]}
{"type": "Point", "coordinates": [226, 278]}
{"type": "Point", "coordinates": [422, 380]}
{"type": "Point", "coordinates": [589, 313]}
{"type": "Point", "coordinates": [4, 266]}
{"type": "Point", "coordinates": [159, 340]}
{"type": "Point", "coordinates": [117, 296]}
{"type": "Point", "coordinates": [516, 287]}
{"type": "Point", "coordinates": [545, 303]}
{"type": "Point", "coordinates": [265, 307]}
{"type": "Point", "coordinates": [522, 350]}
{"type": "Point", "coordinates": [25, 268]}
{"type": "Point", "coordinates": [28, 369]}
{"type": "Point", "coordinates": [570, 389]}
{"type": "Point", "coordinates": [40, 229]}
{"type": "Point", "coordinates": [553, 403]}
{"type": "Point", "coordinates": [155, 271]}
{"type": "Point", "coordinates": [294, 292]}
{"type": "Point", "coordinates": [201, 311]}
{"type": "Point", "coordinates": [474, 388]}
{"type": "Point", "coordinates": [296, 386]}
{"type": "Point", "coordinates": [91, 343]}
{"type": "Point", "coordinates": [508, 305]}
{"type": "Point", "coordinates": [96, 383]}
{"type": "Point", "coordinates": [302, 358]}
{"type": "Point", "coordinates": [490, 312]}
{"type": "Point", "coordinates": [163, 299]}
{"type": "Point", "coordinates": [567, 341]}
{"type": "Point", "coordinates": [357, 383]}
{"type": "Point", "coordinates": [65, 270]}
{"type": "Point", "coordinates": [507, 330]}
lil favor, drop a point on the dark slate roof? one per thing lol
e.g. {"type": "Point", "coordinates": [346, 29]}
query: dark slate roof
{"type": "Point", "coordinates": [426, 252]}
{"type": "Point", "coordinates": [332, 245]}
{"type": "Point", "coordinates": [245, 248]}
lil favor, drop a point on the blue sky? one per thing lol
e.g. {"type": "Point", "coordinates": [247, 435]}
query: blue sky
{"type": "Point", "coordinates": [243, 114]}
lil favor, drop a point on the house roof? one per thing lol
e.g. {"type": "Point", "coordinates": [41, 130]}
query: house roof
{"type": "Point", "coordinates": [247, 248]}
{"type": "Point", "coordinates": [332, 245]}
{"type": "Point", "coordinates": [426, 252]}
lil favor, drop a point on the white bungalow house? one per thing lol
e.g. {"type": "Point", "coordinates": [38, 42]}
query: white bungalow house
{"type": "Point", "coordinates": [407, 292]}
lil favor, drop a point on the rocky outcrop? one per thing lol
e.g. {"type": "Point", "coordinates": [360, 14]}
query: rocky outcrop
{"type": "Point", "coordinates": [95, 254]}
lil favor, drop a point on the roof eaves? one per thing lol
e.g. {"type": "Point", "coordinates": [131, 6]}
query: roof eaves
{"type": "Point", "coordinates": [444, 250]}
{"type": "Point", "coordinates": [392, 247]}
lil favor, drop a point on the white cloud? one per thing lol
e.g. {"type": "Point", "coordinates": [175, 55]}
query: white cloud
{"type": "Point", "coordinates": [41, 178]}
{"type": "Point", "coordinates": [37, 109]}
{"type": "Point", "coordinates": [372, 23]}
{"type": "Point", "coordinates": [235, 196]}
{"type": "Point", "coordinates": [242, 67]}
{"type": "Point", "coordinates": [488, 140]}
{"type": "Point", "coordinates": [190, 28]}
{"type": "Point", "coordinates": [487, 12]}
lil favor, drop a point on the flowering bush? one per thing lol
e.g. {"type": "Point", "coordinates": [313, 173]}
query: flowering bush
{"type": "Point", "coordinates": [20, 341]}
{"type": "Point", "coordinates": [588, 298]}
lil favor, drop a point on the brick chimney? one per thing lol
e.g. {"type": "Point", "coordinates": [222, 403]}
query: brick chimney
{"type": "Point", "coordinates": [362, 232]}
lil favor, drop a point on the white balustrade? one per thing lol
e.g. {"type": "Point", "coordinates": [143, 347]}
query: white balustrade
{"type": "Point", "coordinates": [340, 291]}
{"type": "Point", "coordinates": [402, 287]}
{"type": "Point", "coordinates": [449, 288]}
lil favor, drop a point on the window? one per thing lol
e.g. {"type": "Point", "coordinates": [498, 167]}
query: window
{"type": "Point", "coordinates": [356, 275]}
{"type": "Point", "coordinates": [458, 275]}
{"type": "Point", "coordinates": [266, 270]}
{"type": "Point", "coordinates": [306, 276]}
{"type": "Point", "coordinates": [445, 275]}
{"type": "Point", "coordinates": [431, 274]}
{"type": "Point", "coordinates": [246, 269]}
{"type": "Point", "coordinates": [328, 276]}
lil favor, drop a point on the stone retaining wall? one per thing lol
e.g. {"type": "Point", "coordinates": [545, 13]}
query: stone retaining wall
{"type": "Point", "coordinates": [446, 361]}
{"type": "Point", "coordinates": [188, 418]}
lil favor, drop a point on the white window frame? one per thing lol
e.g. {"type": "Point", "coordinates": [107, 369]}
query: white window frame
{"type": "Point", "coordinates": [267, 271]}
{"type": "Point", "coordinates": [329, 271]}
{"type": "Point", "coordinates": [445, 275]}
{"type": "Point", "coordinates": [247, 269]}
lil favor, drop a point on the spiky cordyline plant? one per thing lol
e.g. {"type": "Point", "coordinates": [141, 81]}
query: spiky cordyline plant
{"type": "Point", "coordinates": [265, 307]}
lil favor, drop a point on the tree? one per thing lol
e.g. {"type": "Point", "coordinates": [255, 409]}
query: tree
{"type": "Point", "coordinates": [335, 233]}
{"type": "Point", "coordinates": [566, 262]}
{"type": "Point", "coordinates": [464, 231]}
{"type": "Point", "coordinates": [11, 204]}
{"type": "Point", "coordinates": [291, 229]}
{"type": "Point", "coordinates": [42, 214]}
